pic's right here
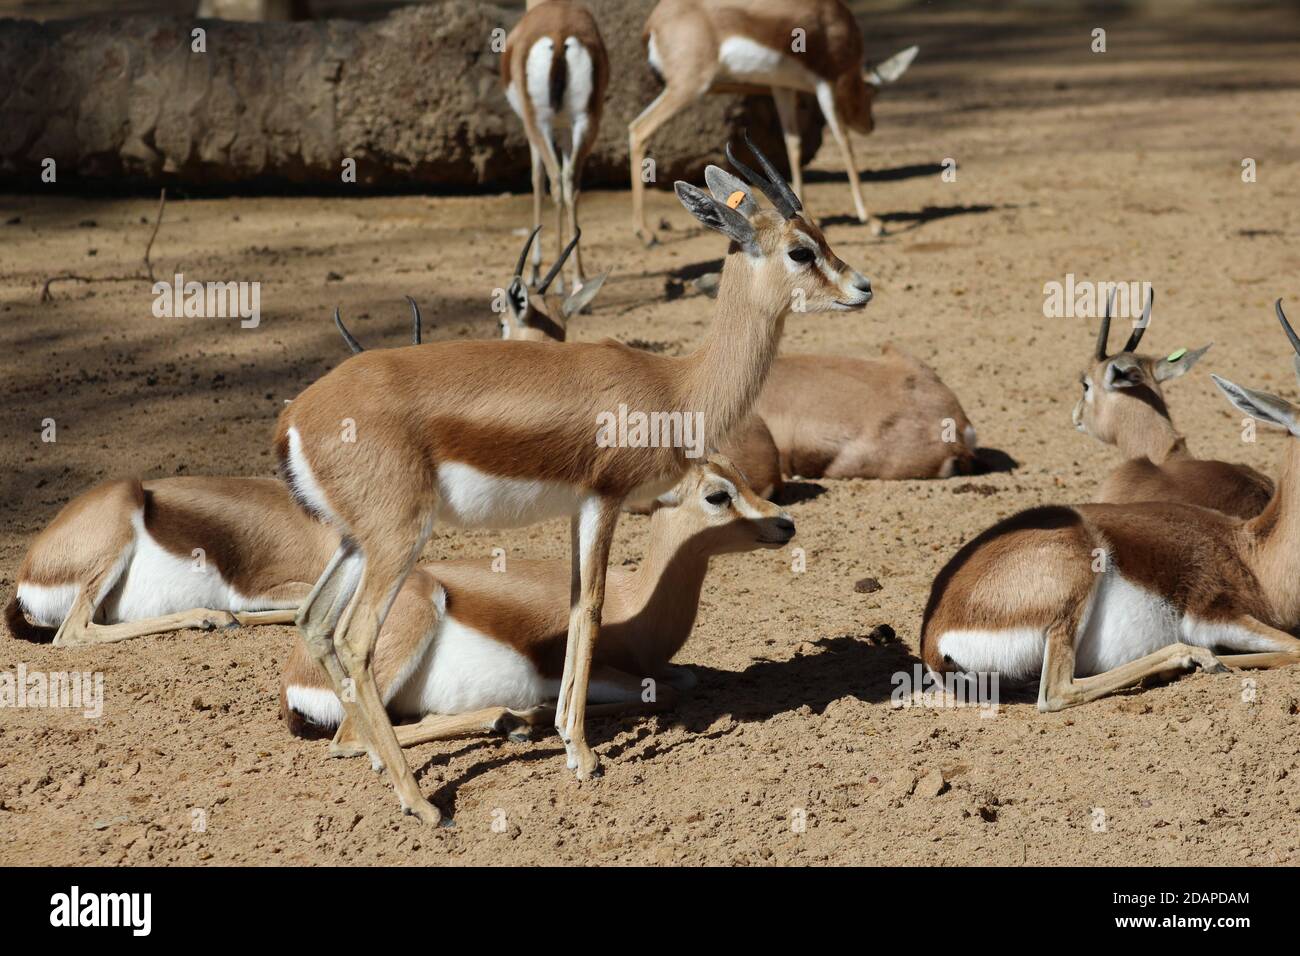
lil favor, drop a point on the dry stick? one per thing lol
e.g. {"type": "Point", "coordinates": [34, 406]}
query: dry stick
{"type": "Point", "coordinates": [148, 266]}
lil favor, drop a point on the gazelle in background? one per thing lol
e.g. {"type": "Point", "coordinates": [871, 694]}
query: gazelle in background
{"type": "Point", "coordinates": [472, 648]}
{"type": "Point", "coordinates": [753, 46]}
{"type": "Point", "coordinates": [1123, 404]}
{"type": "Point", "coordinates": [1097, 598]}
{"type": "Point", "coordinates": [555, 70]}
{"type": "Point", "coordinates": [503, 434]}
{"type": "Point", "coordinates": [889, 418]}
{"type": "Point", "coordinates": [130, 558]}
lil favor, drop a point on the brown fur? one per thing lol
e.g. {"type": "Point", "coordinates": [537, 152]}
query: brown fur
{"type": "Point", "coordinates": [863, 418]}
{"type": "Point", "coordinates": [1160, 467]}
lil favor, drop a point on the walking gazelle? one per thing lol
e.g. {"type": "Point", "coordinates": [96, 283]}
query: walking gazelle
{"type": "Point", "coordinates": [1097, 598]}
{"type": "Point", "coordinates": [503, 434]}
{"type": "Point", "coordinates": [1123, 404]}
{"type": "Point", "coordinates": [757, 46]}
{"type": "Point", "coordinates": [469, 647]}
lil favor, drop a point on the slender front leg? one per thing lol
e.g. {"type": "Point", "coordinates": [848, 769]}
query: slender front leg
{"type": "Point", "coordinates": [669, 102]}
{"type": "Point", "coordinates": [539, 187]}
{"type": "Point", "coordinates": [593, 531]}
{"type": "Point", "coordinates": [826, 100]}
{"type": "Point", "coordinates": [787, 112]}
{"type": "Point", "coordinates": [490, 720]}
{"type": "Point", "coordinates": [1258, 646]}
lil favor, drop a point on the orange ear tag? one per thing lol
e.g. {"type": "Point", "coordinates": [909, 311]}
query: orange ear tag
{"type": "Point", "coordinates": [736, 198]}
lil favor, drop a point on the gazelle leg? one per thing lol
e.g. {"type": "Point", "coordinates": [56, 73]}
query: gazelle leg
{"type": "Point", "coordinates": [667, 104]}
{"type": "Point", "coordinates": [81, 630]}
{"type": "Point", "coordinates": [826, 100]}
{"type": "Point", "coordinates": [787, 111]}
{"type": "Point", "coordinates": [1058, 688]}
{"type": "Point", "coordinates": [252, 618]}
{"type": "Point", "coordinates": [1264, 647]}
{"type": "Point", "coordinates": [489, 720]}
{"type": "Point", "coordinates": [391, 554]}
{"type": "Point", "coordinates": [539, 187]}
{"type": "Point", "coordinates": [592, 532]}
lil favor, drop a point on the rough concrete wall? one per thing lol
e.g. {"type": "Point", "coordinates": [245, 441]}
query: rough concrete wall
{"type": "Point", "coordinates": [415, 99]}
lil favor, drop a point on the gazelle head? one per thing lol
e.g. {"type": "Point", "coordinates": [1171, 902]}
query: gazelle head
{"type": "Point", "coordinates": [788, 255]}
{"type": "Point", "coordinates": [854, 99]}
{"type": "Point", "coordinates": [1120, 391]}
{"type": "Point", "coordinates": [1262, 405]}
{"type": "Point", "coordinates": [713, 510]}
{"type": "Point", "coordinates": [536, 316]}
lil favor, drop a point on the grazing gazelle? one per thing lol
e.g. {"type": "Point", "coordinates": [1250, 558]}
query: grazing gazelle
{"type": "Point", "coordinates": [841, 417]}
{"type": "Point", "coordinates": [1097, 598]}
{"type": "Point", "coordinates": [470, 646]}
{"type": "Point", "coordinates": [506, 434]}
{"type": "Point", "coordinates": [753, 46]}
{"type": "Point", "coordinates": [1123, 404]}
{"type": "Point", "coordinates": [555, 71]}
{"type": "Point", "coordinates": [129, 558]}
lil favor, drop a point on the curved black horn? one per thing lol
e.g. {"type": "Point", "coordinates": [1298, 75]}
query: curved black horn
{"type": "Point", "coordinates": [415, 321]}
{"type": "Point", "coordinates": [1290, 332]}
{"type": "Point", "coordinates": [1136, 335]}
{"type": "Point", "coordinates": [555, 269]}
{"type": "Point", "coordinates": [523, 256]}
{"type": "Point", "coordinates": [353, 344]}
{"type": "Point", "coordinates": [773, 174]}
{"type": "Point", "coordinates": [1104, 334]}
{"type": "Point", "coordinates": [773, 193]}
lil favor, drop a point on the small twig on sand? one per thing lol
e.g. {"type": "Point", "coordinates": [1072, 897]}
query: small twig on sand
{"type": "Point", "coordinates": [147, 274]}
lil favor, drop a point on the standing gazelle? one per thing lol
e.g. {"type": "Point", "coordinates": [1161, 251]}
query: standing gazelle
{"type": "Point", "coordinates": [1097, 598]}
{"type": "Point", "coordinates": [555, 70]}
{"type": "Point", "coordinates": [1123, 404]}
{"type": "Point", "coordinates": [753, 46]}
{"type": "Point", "coordinates": [504, 434]}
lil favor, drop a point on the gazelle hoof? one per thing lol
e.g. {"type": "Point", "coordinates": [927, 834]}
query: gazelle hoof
{"type": "Point", "coordinates": [426, 812]}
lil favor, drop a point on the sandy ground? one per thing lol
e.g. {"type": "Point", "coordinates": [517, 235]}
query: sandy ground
{"type": "Point", "coordinates": [1121, 166]}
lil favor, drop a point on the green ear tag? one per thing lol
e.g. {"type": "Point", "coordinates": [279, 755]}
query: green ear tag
{"type": "Point", "coordinates": [1175, 356]}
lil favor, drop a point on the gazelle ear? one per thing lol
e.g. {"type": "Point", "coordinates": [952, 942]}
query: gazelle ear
{"type": "Point", "coordinates": [1178, 363]}
{"type": "Point", "coordinates": [577, 301]}
{"type": "Point", "coordinates": [890, 70]}
{"type": "Point", "coordinates": [1261, 405]}
{"type": "Point", "coordinates": [730, 190]}
{"type": "Point", "coordinates": [1123, 371]}
{"type": "Point", "coordinates": [517, 298]}
{"type": "Point", "coordinates": [716, 215]}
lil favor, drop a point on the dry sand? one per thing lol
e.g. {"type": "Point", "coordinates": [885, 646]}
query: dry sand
{"type": "Point", "coordinates": [1118, 166]}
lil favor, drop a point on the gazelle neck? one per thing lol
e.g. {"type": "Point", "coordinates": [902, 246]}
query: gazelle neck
{"type": "Point", "coordinates": [724, 376]}
{"type": "Point", "coordinates": [663, 595]}
{"type": "Point", "coordinates": [1273, 542]}
{"type": "Point", "coordinates": [1152, 436]}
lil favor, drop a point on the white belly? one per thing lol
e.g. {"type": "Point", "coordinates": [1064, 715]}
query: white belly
{"type": "Point", "coordinates": [465, 670]}
{"type": "Point", "coordinates": [1125, 622]}
{"type": "Point", "coordinates": [745, 61]}
{"type": "Point", "coordinates": [470, 498]}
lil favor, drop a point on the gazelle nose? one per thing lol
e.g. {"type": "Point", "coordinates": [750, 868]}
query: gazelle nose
{"type": "Point", "coordinates": [862, 284]}
{"type": "Point", "coordinates": [784, 525]}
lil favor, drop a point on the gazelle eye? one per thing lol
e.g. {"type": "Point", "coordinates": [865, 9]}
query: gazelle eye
{"type": "Point", "coordinates": [718, 498]}
{"type": "Point", "coordinates": [801, 254]}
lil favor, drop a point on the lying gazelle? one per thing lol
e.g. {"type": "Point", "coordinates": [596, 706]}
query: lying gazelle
{"type": "Point", "coordinates": [841, 417]}
{"type": "Point", "coordinates": [498, 434]}
{"type": "Point", "coordinates": [1097, 598]}
{"type": "Point", "coordinates": [753, 46]}
{"type": "Point", "coordinates": [469, 647]}
{"type": "Point", "coordinates": [555, 71]}
{"type": "Point", "coordinates": [129, 558]}
{"type": "Point", "coordinates": [1123, 404]}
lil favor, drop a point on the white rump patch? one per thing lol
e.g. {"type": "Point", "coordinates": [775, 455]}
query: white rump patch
{"type": "Point", "coordinates": [304, 482]}
{"type": "Point", "coordinates": [471, 498]}
{"type": "Point", "coordinates": [47, 605]}
{"type": "Point", "coordinates": [1014, 653]}
{"type": "Point", "coordinates": [318, 705]}
{"type": "Point", "coordinates": [537, 77]}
